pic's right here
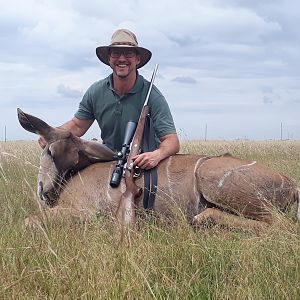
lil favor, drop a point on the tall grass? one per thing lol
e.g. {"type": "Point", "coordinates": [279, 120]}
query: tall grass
{"type": "Point", "coordinates": [156, 261]}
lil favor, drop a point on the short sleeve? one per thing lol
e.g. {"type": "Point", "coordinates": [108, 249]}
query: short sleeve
{"type": "Point", "coordinates": [85, 110]}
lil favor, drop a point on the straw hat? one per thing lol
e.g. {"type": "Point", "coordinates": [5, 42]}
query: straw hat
{"type": "Point", "coordinates": [123, 38]}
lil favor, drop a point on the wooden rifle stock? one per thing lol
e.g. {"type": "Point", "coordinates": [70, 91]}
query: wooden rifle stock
{"type": "Point", "coordinates": [126, 209]}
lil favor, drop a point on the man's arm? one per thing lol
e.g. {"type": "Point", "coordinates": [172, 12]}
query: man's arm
{"type": "Point", "coordinates": [77, 126]}
{"type": "Point", "coordinates": [169, 146]}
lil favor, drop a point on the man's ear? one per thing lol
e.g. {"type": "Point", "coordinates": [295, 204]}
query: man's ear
{"type": "Point", "coordinates": [138, 57]}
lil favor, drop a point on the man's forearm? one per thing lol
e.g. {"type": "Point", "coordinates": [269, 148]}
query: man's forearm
{"type": "Point", "coordinates": [71, 126]}
{"type": "Point", "coordinates": [76, 126]}
{"type": "Point", "coordinates": [169, 146]}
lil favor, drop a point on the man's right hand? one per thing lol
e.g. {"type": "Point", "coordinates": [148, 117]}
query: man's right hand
{"type": "Point", "coordinates": [42, 142]}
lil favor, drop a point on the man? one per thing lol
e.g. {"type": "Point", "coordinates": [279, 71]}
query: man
{"type": "Point", "coordinates": [119, 98]}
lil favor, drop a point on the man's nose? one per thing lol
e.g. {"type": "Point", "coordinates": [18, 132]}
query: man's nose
{"type": "Point", "coordinates": [122, 56]}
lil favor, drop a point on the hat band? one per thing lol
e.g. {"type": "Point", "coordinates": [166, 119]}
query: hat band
{"type": "Point", "coordinates": [124, 43]}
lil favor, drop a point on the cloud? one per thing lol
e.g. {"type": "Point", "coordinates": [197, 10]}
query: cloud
{"type": "Point", "coordinates": [267, 100]}
{"type": "Point", "coordinates": [215, 56]}
{"type": "Point", "coordinates": [68, 92]}
{"type": "Point", "coordinates": [185, 79]}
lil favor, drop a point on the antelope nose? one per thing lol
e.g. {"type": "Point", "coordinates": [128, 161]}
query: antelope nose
{"type": "Point", "coordinates": [40, 190]}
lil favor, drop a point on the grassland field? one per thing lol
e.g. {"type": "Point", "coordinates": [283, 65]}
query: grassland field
{"type": "Point", "coordinates": [156, 261]}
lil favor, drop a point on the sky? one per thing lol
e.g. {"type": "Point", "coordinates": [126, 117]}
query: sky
{"type": "Point", "coordinates": [229, 69]}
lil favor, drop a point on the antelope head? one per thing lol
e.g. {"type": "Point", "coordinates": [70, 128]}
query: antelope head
{"type": "Point", "coordinates": [63, 155]}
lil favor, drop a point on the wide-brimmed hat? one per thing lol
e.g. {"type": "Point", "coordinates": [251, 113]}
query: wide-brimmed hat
{"type": "Point", "coordinates": [123, 38]}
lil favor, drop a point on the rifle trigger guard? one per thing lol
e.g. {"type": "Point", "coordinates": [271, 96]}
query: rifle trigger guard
{"type": "Point", "coordinates": [137, 172]}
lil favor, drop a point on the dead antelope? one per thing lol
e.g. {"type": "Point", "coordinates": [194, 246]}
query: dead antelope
{"type": "Point", "coordinates": [221, 189]}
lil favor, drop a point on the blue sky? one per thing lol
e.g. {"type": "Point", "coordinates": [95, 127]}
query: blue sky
{"type": "Point", "coordinates": [230, 65]}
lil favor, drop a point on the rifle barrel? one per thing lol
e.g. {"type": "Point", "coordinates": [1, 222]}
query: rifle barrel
{"type": "Point", "coordinates": [151, 83]}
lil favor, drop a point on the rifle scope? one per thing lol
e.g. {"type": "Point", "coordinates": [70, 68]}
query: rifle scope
{"type": "Point", "coordinates": [122, 155]}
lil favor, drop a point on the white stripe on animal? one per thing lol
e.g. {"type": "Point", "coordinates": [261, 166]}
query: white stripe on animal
{"type": "Point", "coordinates": [243, 167]}
{"type": "Point", "coordinates": [198, 163]}
{"type": "Point", "coordinates": [168, 176]}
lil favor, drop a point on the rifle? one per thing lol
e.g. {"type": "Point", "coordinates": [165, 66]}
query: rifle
{"type": "Point", "coordinates": [126, 209]}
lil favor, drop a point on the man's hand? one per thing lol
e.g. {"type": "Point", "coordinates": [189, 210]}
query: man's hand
{"type": "Point", "coordinates": [147, 160]}
{"type": "Point", "coordinates": [169, 146]}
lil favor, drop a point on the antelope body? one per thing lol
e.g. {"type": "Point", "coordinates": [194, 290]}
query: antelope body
{"type": "Point", "coordinates": [222, 189]}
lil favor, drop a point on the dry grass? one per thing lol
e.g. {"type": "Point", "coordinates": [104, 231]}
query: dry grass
{"type": "Point", "coordinates": [158, 261]}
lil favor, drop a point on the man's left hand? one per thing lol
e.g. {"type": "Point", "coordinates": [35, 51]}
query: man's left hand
{"type": "Point", "coordinates": [169, 146]}
{"type": "Point", "coordinates": [147, 160]}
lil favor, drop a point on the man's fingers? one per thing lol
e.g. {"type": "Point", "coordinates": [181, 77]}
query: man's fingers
{"type": "Point", "coordinates": [145, 161]}
{"type": "Point", "coordinates": [139, 160]}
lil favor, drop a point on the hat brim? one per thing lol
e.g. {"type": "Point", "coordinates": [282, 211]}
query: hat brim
{"type": "Point", "coordinates": [103, 54]}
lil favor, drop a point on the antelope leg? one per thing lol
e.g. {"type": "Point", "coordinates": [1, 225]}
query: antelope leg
{"type": "Point", "coordinates": [216, 216]}
{"type": "Point", "coordinates": [57, 214]}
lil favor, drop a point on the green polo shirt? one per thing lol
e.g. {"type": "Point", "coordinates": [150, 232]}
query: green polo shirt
{"type": "Point", "coordinates": [112, 112]}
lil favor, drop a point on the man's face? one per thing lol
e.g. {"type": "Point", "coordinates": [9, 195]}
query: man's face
{"type": "Point", "coordinates": [123, 61]}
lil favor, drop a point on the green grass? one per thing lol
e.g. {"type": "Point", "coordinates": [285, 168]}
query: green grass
{"type": "Point", "coordinates": [157, 261]}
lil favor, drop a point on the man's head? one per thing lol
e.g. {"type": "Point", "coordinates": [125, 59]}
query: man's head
{"type": "Point", "coordinates": [123, 45]}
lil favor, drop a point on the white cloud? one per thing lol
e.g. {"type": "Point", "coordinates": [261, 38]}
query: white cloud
{"type": "Point", "coordinates": [218, 59]}
{"type": "Point", "coordinates": [185, 79]}
{"type": "Point", "coordinates": [68, 92]}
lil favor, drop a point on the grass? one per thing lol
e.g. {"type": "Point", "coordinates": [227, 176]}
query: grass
{"type": "Point", "coordinates": [158, 261]}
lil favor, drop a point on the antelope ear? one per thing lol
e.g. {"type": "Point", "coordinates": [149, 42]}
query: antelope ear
{"type": "Point", "coordinates": [31, 123]}
{"type": "Point", "coordinates": [38, 126]}
{"type": "Point", "coordinates": [94, 150]}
